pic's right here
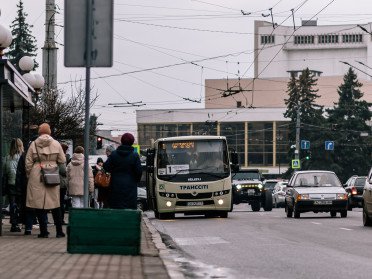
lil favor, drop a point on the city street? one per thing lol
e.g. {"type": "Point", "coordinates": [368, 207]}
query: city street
{"type": "Point", "coordinates": [269, 245]}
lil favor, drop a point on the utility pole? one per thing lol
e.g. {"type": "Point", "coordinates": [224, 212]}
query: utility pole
{"type": "Point", "coordinates": [298, 125]}
{"type": "Point", "coordinates": [50, 49]}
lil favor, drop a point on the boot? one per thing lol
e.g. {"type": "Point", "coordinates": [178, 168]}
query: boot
{"type": "Point", "coordinates": [60, 232]}
{"type": "Point", "coordinates": [43, 225]}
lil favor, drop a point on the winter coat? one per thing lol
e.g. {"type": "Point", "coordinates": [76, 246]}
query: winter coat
{"type": "Point", "coordinates": [125, 168]}
{"type": "Point", "coordinates": [75, 176]}
{"type": "Point", "coordinates": [63, 176]}
{"type": "Point", "coordinates": [51, 155]}
{"type": "Point", "coordinates": [11, 164]}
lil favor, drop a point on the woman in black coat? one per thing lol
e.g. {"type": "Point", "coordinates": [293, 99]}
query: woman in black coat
{"type": "Point", "coordinates": [125, 168]}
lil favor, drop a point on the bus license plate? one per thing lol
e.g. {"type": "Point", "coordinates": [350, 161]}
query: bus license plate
{"type": "Point", "coordinates": [250, 192]}
{"type": "Point", "coordinates": [323, 202]}
{"type": "Point", "coordinates": [198, 203]}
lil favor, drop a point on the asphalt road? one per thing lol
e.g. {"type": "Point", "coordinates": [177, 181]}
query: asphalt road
{"type": "Point", "coordinates": [269, 245]}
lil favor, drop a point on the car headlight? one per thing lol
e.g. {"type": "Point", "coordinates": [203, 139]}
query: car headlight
{"type": "Point", "coordinates": [341, 196]}
{"type": "Point", "coordinates": [303, 197]}
{"type": "Point", "coordinates": [238, 186]}
{"type": "Point", "coordinates": [260, 186]}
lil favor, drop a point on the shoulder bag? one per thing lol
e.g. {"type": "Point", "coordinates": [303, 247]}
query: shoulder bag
{"type": "Point", "coordinates": [50, 176]}
{"type": "Point", "coordinates": [102, 179]}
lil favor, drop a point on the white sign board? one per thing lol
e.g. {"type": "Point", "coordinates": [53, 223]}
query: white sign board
{"type": "Point", "coordinates": [75, 33]}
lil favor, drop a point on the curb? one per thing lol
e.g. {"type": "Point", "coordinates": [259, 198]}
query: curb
{"type": "Point", "coordinates": [173, 270]}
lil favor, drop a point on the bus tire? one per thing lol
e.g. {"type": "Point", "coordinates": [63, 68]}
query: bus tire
{"type": "Point", "coordinates": [224, 214]}
{"type": "Point", "coordinates": [165, 216]}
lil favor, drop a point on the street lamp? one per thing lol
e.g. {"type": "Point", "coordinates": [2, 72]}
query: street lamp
{"type": "Point", "coordinates": [26, 64]}
{"type": "Point", "coordinates": [5, 39]}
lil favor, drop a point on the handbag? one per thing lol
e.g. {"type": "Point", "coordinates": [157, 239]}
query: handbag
{"type": "Point", "coordinates": [50, 176]}
{"type": "Point", "coordinates": [102, 179]}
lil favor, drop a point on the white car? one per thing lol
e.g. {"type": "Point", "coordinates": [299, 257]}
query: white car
{"type": "Point", "coordinates": [279, 193]}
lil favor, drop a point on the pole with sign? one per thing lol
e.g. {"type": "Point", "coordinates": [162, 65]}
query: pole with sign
{"type": "Point", "coordinates": [88, 43]}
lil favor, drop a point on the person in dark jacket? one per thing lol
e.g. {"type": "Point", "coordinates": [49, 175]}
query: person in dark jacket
{"type": "Point", "coordinates": [125, 168]}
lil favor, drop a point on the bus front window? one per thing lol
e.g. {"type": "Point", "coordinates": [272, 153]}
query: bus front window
{"type": "Point", "coordinates": [193, 157]}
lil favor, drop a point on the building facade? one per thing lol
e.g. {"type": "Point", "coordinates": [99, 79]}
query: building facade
{"type": "Point", "coordinates": [319, 48]}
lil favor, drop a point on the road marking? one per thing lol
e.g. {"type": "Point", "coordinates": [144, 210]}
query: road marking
{"type": "Point", "coordinates": [316, 223]}
{"type": "Point", "coordinates": [200, 240]}
{"type": "Point", "coordinates": [345, 229]}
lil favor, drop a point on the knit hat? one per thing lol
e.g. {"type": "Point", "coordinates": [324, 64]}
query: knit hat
{"type": "Point", "coordinates": [44, 129]}
{"type": "Point", "coordinates": [127, 139]}
{"type": "Point", "coordinates": [79, 149]}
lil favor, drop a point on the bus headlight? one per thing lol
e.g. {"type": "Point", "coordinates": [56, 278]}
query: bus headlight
{"type": "Point", "coordinates": [220, 202]}
{"type": "Point", "coordinates": [168, 203]}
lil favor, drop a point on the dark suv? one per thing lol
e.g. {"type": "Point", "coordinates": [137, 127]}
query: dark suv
{"type": "Point", "coordinates": [354, 188]}
{"type": "Point", "coordinates": [248, 188]}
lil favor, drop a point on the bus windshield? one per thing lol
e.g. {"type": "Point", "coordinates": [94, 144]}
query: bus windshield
{"type": "Point", "coordinates": [193, 157]}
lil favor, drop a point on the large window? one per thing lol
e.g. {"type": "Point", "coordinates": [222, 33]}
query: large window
{"type": "Point", "coordinates": [205, 128]}
{"type": "Point", "coordinates": [267, 39]}
{"type": "Point", "coordinates": [328, 39]}
{"type": "Point", "coordinates": [260, 143]}
{"type": "Point", "coordinates": [282, 143]}
{"type": "Point", "coordinates": [352, 38]}
{"type": "Point", "coordinates": [234, 133]}
{"type": "Point", "coordinates": [303, 39]}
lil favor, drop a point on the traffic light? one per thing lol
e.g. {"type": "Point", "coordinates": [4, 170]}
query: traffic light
{"type": "Point", "coordinates": [99, 143]}
{"type": "Point", "coordinates": [308, 155]}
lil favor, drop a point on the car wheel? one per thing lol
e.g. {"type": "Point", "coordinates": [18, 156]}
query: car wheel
{"type": "Point", "coordinates": [255, 205]}
{"type": "Point", "coordinates": [333, 214]}
{"type": "Point", "coordinates": [289, 211]}
{"type": "Point", "coordinates": [367, 222]}
{"type": "Point", "coordinates": [349, 206]}
{"type": "Point", "coordinates": [296, 213]}
{"type": "Point", "coordinates": [343, 213]}
{"type": "Point", "coordinates": [268, 201]}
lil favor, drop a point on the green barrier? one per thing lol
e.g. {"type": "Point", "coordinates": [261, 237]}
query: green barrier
{"type": "Point", "coordinates": [104, 231]}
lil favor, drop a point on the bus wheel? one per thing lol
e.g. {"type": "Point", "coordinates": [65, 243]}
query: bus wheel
{"type": "Point", "coordinates": [164, 216]}
{"type": "Point", "coordinates": [224, 214]}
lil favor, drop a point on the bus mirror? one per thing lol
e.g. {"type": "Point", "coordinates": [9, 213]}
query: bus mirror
{"type": "Point", "coordinates": [234, 158]}
{"type": "Point", "coordinates": [150, 158]}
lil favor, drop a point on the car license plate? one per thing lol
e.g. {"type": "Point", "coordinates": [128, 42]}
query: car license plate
{"type": "Point", "coordinates": [323, 202]}
{"type": "Point", "coordinates": [250, 192]}
{"type": "Point", "coordinates": [198, 203]}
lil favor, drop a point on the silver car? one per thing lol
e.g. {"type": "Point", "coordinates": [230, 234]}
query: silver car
{"type": "Point", "coordinates": [367, 201]}
{"type": "Point", "coordinates": [279, 193]}
{"type": "Point", "coordinates": [317, 191]}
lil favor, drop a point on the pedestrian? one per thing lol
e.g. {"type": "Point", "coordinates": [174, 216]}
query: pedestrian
{"type": "Point", "coordinates": [43, 152]}
{"type": "Point", "coordinates": [75, 178]}
{"type": "Point", "coordinates": [21, 183]}
{"type": "Point", "coordinates": [15, 193]}
{"type": "Point", "coordinates": [62, 190]}
{"type": "Point", "coordinates": [125, 168]}
{"type": "Point", "coordinates": [109, 150]}
{"type": "Point", "coordinates": [100, 194]}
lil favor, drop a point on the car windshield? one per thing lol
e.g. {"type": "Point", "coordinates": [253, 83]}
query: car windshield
{"type": "Point", "coordinates": [360, 181]}
{"type": "Point", "coordinates": [246, 176]}
{"type": "Point", "coordinates": [317, 179]}
{"type": "Point", "coordinates": [270, 184]}
{"type": "Point", "coordinates": [184, 158]}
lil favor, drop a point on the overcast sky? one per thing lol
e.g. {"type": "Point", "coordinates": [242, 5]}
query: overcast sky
{"type": "Point", "coordinates": [151, 34]}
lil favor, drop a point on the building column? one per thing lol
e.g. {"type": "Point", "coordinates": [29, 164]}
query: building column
{"type": "Point", "coordinates": [274, 144]}
{"type": "Point", "coordinates": [245, 144]}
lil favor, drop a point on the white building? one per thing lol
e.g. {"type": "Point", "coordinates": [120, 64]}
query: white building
{"type": "Point", "coordinates": [317, 47]}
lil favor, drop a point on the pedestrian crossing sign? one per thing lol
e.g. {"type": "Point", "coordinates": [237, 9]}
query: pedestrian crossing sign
{"type": "Point", "coordinates": [136, 148]}
{"type": "Point", "coordinates": [296, 164]}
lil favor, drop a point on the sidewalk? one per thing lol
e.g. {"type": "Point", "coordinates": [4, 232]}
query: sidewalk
{"type": "Point", "coordinates": [43, 258]}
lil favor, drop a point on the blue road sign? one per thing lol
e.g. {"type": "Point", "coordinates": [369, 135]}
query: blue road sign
{"type": "Point", "coordinates": [329, 145]}
{"type": "Point", "coordinates": [305, 144]}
